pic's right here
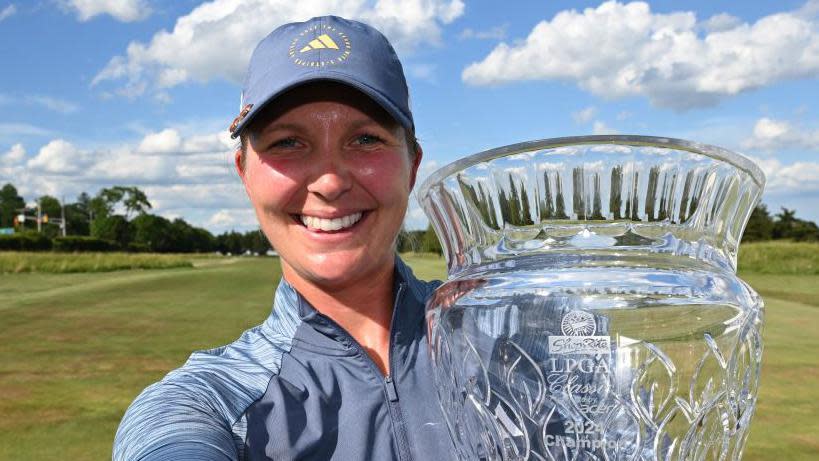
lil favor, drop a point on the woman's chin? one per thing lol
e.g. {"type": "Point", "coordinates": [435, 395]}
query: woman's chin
{"type": "Point", "coordinates": [340, 269]}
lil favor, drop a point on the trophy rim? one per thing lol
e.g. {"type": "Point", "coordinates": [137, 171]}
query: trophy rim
{"type": "Point", "coordinates": [735, 159]}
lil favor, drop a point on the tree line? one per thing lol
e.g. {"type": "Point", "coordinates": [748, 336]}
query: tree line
{"type": "Point", "coordinates": [783, 225]}
{"type": "Point", "coordinates": [116, 218]}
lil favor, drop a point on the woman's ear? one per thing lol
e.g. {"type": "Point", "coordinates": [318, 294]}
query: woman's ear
{"type": "Point", "coordinates": [419, 154]}
{"type": "Point", "coordinates": [239, 163]}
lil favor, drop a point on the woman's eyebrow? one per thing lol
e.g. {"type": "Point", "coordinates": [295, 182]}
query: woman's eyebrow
{"type": "Point", "coordinates": [256, 135]}
{"type": "Point", "coordinates": [280, 126]}
{"type": "Point", "coordinates": [363, 122]}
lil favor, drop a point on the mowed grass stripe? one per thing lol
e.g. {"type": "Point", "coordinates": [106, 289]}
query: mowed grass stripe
{"type": "Point", "coordinates": [46, 286]}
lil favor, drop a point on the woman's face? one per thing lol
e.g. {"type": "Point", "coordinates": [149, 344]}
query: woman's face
{"type": "Point", "coordinates": [329, 174]}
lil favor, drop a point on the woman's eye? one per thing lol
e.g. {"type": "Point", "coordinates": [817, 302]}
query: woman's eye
{"type": "Point", "coordinates": [368, 139]}
{"type": "Point", "coordinates": [284, 143]}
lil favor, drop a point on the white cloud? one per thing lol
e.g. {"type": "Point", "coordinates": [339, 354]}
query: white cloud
{"type": "Point", "coordinates": [770, 134]}
{"type": "Point", "coordinates": [227, 218]}
{"type": "Point", "coordinates": [584, 115]}
{"type": "Point", "coordinates": [163, 142]}
{"type": "Point", "coordinates": [169, 141]}
{"type": "Point", "coordinates": [54, 104]}
{"type": "Point", "coordinates": [59, 157]}
{"type": "Point", "coordinates": [184, 173]}
{"type": "Point", "coordinates": [223, 218]}
{"type": "Point", "coordinates": [212, 142]}
{"type": "Point", "coordinates": [124, 165]}
{"type": "Point", "coordinates": [422, 71]}
{"type": "Point", "coordinates": [721, 22]}
{"type": "Point", "coordinates": [228, 193]}
{"type": "Point", "coordinates": [8, 11]}
{"type": "Point", "coordinates": [415, 218]}
{"type": "Point", "coordinates": [214, 41]}
{"type": "Point", "coordinates": [618, 50]}
{"type": "Point", "coordinates": [426, 168]}
{"type": "Point", "coordinates": [122, 10]}
{"type": "Point", "coordinates": [16, 130]}
{"type": "Point", "coordinates": [13, 156]}
{"type": "Point", "coordinates": [494, 33]}
{"type": "Point", "coordinates": [600, 127]}
{"type": "Point", "coordinates": [798, 177]}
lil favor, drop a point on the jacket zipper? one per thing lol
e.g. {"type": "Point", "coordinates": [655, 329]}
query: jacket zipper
{"type": "Point", "coordinates": [392, 395]}
{"type": "Point", "coordinates": [389, 385]}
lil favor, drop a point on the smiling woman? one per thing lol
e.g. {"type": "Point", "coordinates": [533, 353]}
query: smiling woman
{"type": "Point", "coordinates": [329, 174]}
{"type": "Point", "coordinates": [340, 368]}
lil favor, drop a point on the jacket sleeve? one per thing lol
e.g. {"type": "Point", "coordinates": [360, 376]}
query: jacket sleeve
{"type": "Point", "coordinates": [169, 421]}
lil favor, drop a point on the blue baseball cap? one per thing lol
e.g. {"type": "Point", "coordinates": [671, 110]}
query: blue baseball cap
{"type": "Point", "coordinates": [327, 48]}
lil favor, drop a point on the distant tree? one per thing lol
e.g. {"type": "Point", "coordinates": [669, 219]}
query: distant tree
{"type": "Point", "coordinates": [560, 202]}
{"type": "Point", "coordinates": [50, 207]}
{"type": "Point", "coordinates": [409, 241]}
{"type": "Point", "coordinates": [229, 243]}
{"type": "Point", "coordinates": [114, 227]}
{"type": "Point", "coordinates": [578, 193]}
{"type": "Point", "coordinates": [99, 208]}
{"type": "Point", "coordinates": [785, 223]}
{"type": "Point", "coordinates": [202, 240]}
{"type": "Point", "coordinates": [255, 242]}
{"type": "Point", "coordinates": [131, 198]}
{"type": "Point", "coordinates": [83, 201]}
{"type": "Point", "coordinates": [10, 205]}
{"type": "Point", "coordinates": [597, 200]}
{"type": "Point", "coordinates": [76, 219]}
{"type": "Point", "coordinates": [430, 243]}
{"type": "Point", "coordinates": [788, 226]}
{"type": "Point", "coordinates": [164, 236]}
{"type": "Point", "coordinates": [616, 194]}
{"type": "Point", "coordinates": [182, 233]}
{"type": "Point", "coordinates": [154, 232]}
{"type": "Point", "coordinates": [106, 200]}
{"type": "Point", "coordinates": [135, 201]}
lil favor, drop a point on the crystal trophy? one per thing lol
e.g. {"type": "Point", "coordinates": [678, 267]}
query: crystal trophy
{"type": "Point", "coordinates": [592, 309]}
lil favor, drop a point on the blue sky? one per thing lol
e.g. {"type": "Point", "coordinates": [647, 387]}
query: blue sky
{"type": "Point", "coordinates": [95, 93]}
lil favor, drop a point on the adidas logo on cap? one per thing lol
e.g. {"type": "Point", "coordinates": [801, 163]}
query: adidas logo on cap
{"type": "Point", "coordinates": [323, 41]}
{"type": "Point", "coordinates": [334, 44]}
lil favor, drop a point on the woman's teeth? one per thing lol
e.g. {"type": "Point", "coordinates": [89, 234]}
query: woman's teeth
{"type": "Point", "coordinates": [330, 224]}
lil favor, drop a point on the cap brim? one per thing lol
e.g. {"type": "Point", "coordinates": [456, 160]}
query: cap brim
{"type": "Point", "coordinates": [326, 76]}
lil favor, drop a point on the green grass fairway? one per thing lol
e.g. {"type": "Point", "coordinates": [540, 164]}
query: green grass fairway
{"type": "Point", "coordinates": [78, 347]}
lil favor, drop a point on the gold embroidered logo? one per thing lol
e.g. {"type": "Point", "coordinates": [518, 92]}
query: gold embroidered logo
{"type": "Point", "coordinates": [323, 41]}
{"type": "Point", "coordinates": [319, 46]}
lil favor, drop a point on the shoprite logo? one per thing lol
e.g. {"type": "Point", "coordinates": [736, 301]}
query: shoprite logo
{"type": "Point", "coordinates": [578, 323]}
{"type": "Point", "coordinates": [319, 46]}
{"type": "Point", "coordinates": [578, 328]}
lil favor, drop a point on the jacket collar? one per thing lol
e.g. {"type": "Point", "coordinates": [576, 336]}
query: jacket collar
{"type": "Point", "coordinates": [290, 307]}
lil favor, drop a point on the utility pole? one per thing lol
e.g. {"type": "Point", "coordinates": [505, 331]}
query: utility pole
{"type": "Point", "coordinates": [62, 214]}
{"type": "Point", "coordinates": [39, 217]}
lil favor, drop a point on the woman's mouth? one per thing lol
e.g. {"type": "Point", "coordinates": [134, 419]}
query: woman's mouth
{"type": "Point", "coordinates": [314, 223]}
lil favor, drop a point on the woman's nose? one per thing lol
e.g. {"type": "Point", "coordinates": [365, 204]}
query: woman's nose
{"type": "Point", "coordinates": [330, 177]}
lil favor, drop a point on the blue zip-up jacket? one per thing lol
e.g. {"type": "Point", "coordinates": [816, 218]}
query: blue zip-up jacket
{"type": "Point", "coordinates": [297, 386]}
